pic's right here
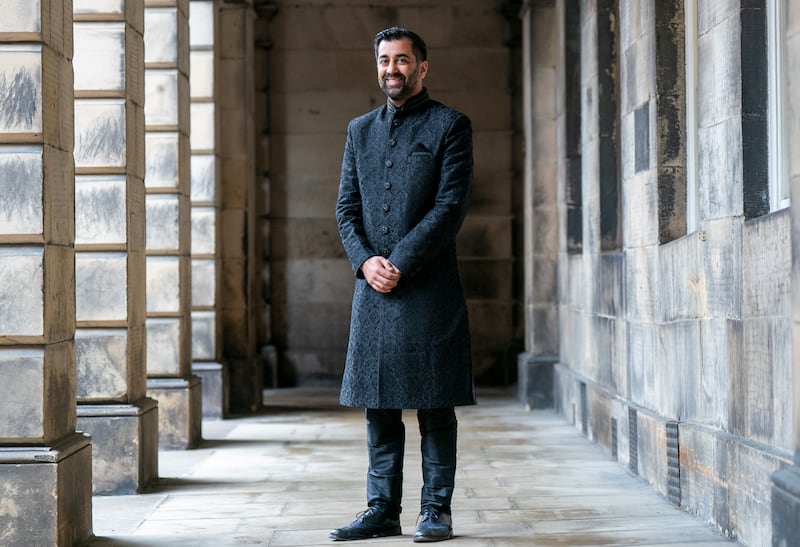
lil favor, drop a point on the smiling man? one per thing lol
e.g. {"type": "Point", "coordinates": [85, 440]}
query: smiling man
{"type": "Point", "coordinates": [403, 193]}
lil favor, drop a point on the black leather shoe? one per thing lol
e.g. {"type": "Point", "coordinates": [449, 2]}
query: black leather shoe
{"type": "Point", "coordinates": [434, 526]}
{"type": "Point", "coordinates": [375, 522]}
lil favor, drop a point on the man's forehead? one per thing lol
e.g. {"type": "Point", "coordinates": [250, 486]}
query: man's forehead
{"type": "Point", "coordinates": [401, 46]}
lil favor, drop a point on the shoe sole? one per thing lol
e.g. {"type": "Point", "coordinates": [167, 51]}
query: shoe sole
{"type": "Point", "coordinates": [389, 533]}
{"type": "Point", "coordinates": [428, 539]}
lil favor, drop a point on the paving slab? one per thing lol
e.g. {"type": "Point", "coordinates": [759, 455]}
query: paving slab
{"type": "Point", "coordinates": [287, 475]}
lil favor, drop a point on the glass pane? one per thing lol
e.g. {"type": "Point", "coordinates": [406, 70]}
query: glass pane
{"type": "Point", "coordinates": [201, 23]}
{"type": "Point", "coordinates": [102, 360]}
{"type": "Point", "coordinates": [203, 323]}
{"type": "Point", "coordinates": [161, 97]}
{"type": "Point", "coordinates": [163, 284]}
{"type": "Point", "coordinates": [21, 399]}
{"type": "Point", "coordinates": [21, 291]}
{"type": "Point", "coordinates": [99, 61]}
{"type": "Point", "coordinates": [203, 282]}
{"type": "Point", "coordinates": [202, 126]}
{"type": "Point", "coordinates": [100, 209]}
{"type": "Point", "coordinates": [201, 72]}
{"type": "Point", "coordinates": [98, 6]}
{"type": "Point", "coordinates": [100, 287]}
{"type": "Point", "coordinates": [162, 223]}
{"type": "Point", "coordinates": [203, 176]}
{"type": "Point", "coordinates": [20, 88]}
{"type": "Point", "coordinates": [21, 190]}
{"type": "Point", "coordinates": [20, 16]}
{"type": "Point", "coordinates": [161, 159]}
{"type": "Point", "coordinates": [100, 133]}
{"type": "Point", "coordinates": [162, 346]}
{"type": "Point", "coordinates": [203, 230]}
{"type": "Point", "coordinates": [160, 35]}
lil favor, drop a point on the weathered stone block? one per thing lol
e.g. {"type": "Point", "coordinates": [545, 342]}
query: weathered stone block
{"type": "Point", "coordinates": [766, 265]}
{"type": "Point", "coordinates": [51, 489]}
{"type": "Point", "coordinates": [124, 445]}
{"type": "Point", "coordinates": [535, 380]}
{"type": "Point", "coordinates": [179, 411]}
{"type": "Point", "coordinates": [214, 377]}
{"type": "Point", "coordinates": [785, 506]}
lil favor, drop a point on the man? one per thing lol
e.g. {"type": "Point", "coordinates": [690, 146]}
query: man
{"type": "Point", "coordinates": [405, 182]}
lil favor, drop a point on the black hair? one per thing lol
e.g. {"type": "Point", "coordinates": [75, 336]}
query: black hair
{"type": "Point", "coordinates": [396, 33]}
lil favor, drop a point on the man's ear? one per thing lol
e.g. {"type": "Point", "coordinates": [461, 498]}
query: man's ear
{"type": "Point", "coordinates": [423, 69]}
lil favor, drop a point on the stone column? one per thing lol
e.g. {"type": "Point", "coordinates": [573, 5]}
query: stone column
{"type": "Point", "coordinates": [539, 50]}
{"type": "Point", "coordinates": [168, 224]}
{"type": "Point", "coordinates": [206, 326]}
{"type": "Point", "coordinates": [109, 246]}
{"type": "Point", "coordinates": [45, 465]}
{"type": "Point", "coordinates": [786, 483]}
{"type": "Point", "coordinates": [238, 208]}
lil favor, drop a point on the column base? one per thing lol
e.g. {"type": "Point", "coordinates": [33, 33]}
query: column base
{"type": "Point", "coordinates": [47, 493]}
{"type": "Point", "coordinates": [535, 380]}
{"type": "Point", "coordinates": [125, 441]}
{"type": "Point", "coordinates": [247, 384]}
{"type": "Point", "coordinates": [215, 388]}
{"type": "Point", "coordinates": [786, 507]}
{"type": "Point", "coordinates": [180, 418]}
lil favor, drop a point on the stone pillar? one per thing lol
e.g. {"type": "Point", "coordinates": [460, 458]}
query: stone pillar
{"type": "Point", "coordinates": [109, 247]}
{"type": "Point", "coordinates": [206, 326]}
{"type": "Point", "coordinates": [168, 224]}
{"type": "Point", "coordinates": [786, 483]}
{"type": "Point", "coordinates": [45, 465]}
{"type": "Point", "coordinates": [539, 50]}
{"type": "Point", "coordinates": [238, 253]}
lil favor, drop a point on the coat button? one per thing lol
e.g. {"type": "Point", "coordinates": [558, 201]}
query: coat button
{"type": "Point", "coordinates": [386, 207]}
{"type": "Point", "coordinates": [386, 251]}
{"type": "Point", "coordinates": [387, 185]}
{"type": "Point", "coordinates": [396, 123]}
{"type": "Point", "coordinates": [385, 229]}
{"type": "Point", "coordinates": [389, 163]}
{"type": "Point", "coordinates": [392, 142]}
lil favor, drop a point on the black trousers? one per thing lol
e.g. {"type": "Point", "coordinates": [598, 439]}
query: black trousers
{"type": "Point", "coordinates": [386, 442]}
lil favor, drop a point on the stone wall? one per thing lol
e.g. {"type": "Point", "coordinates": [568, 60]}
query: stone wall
{"type": "Point", "coordinates": [675, 346]}
{"type": "Point", "coordinates": [322, 74]}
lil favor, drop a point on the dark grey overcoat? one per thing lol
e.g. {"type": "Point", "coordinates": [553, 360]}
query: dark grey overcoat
{"type": "Point", "coordinates": [406, 177]}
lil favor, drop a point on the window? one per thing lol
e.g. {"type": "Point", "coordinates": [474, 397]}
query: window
{"type": "Point", "coordinates": [778, 174]}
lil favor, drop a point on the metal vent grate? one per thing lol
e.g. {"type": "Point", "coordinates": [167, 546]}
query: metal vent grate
{"type": "Point", "coordinates": [673, 464]}
{"type": "Point", "coordinates": [614, 442]}
{"type": "Point", "coordinates": [584, 410]}
{"type": "Point", "coordinates": [633, 441]}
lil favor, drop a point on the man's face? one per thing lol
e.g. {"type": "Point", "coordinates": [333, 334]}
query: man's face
{"type": "Point", "coordinates": [399, 74]}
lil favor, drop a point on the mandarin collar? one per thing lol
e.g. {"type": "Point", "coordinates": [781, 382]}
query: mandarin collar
{"type": "Point", "coordinates": [412, 105]}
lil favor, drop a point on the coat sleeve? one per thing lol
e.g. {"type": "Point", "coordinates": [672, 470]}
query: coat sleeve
{"type": "Point", "coordinates": [349, 215]}
{"type": "Point", "coordinates": [438, 228]}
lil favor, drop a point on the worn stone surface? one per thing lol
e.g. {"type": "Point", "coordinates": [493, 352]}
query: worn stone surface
{"type": "Point", "coordinates": [124, 445]}
{"type": "Point", "coordinates": [179, 411]}
{"type": "Point", "coordinates": [525, 479]}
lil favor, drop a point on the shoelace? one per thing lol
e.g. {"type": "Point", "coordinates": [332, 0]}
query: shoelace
{"type": "Point", "coordinates": [428, 513]}
{"type": "Point", "coordinates": [368, 512]}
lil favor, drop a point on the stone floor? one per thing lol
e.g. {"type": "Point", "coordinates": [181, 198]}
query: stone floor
{"type": "Point", "coordinates": [287, 476]}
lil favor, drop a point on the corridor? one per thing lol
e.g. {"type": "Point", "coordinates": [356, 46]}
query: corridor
{"type": "Point", "coordinates": [288, 475]}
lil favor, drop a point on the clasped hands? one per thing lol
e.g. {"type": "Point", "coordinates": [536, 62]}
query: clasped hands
{"type": "Point", "coordinates": [381, 274]}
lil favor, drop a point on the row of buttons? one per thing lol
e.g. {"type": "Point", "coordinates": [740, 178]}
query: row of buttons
{"type": "Point", "coordinates": [387, 186]}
